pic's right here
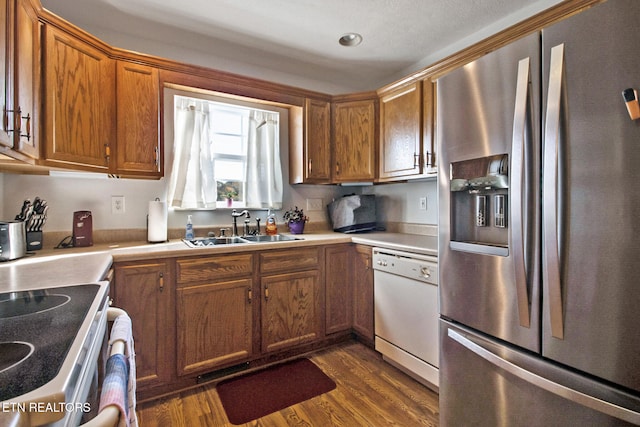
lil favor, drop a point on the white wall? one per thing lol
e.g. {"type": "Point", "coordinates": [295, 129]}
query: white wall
{"type": "Point", "coordinates": [401, 202]}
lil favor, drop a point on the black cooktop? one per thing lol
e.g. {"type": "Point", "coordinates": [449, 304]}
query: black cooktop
{"type": "Point", "coordinates": [37, 329]}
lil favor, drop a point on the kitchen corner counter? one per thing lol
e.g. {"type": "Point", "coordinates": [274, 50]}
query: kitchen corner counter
{"type": "Point", "coordinates": [416, 243]}
{"type": "Point", "coordinates": [54, 271]}
{"type": "Point", "coordinates": [63, 267]}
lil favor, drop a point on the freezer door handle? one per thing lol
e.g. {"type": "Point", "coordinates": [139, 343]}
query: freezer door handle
{"type": "Point", "coordinates": [592, 402]}
{"type": "Point", "coordinates": [550, 231]}
{"type": "Point", "coordinates": [516, 171]}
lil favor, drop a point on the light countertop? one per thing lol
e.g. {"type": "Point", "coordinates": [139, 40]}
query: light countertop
{"type": "Point", "coordinates": [63, 267]}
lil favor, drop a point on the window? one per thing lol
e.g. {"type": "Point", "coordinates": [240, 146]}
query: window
{"type": "Point", "coordinates": [224, 151]}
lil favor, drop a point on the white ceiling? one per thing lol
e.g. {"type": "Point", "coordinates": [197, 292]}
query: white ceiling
{"type": "Point", "coordinates": [297, 40]}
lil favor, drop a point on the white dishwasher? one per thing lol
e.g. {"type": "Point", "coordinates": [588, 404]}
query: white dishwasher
{"type": "Point", "coordinates": [406, 312]}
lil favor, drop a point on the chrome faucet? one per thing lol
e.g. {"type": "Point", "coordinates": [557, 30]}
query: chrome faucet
{"type": "Point", "coordinates": [235, 214]}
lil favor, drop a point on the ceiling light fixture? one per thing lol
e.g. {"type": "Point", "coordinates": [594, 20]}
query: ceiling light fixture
{"type": "Point", "coordinates": [350, 39]}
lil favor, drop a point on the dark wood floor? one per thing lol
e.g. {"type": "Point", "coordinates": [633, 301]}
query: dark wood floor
{"type": "Point", "coordinates": [369, 393]}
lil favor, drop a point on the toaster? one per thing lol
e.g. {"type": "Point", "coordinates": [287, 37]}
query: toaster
{"type": "Point", "coordinates": [13, 242]}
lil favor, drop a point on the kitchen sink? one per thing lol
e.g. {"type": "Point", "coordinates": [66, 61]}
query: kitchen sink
{"type": "Point", "coordinates": [203, 242]}
{"type": "Point", "coordinates": [272, 238]}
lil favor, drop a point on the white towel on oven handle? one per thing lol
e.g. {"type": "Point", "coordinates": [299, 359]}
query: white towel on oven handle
{"type": "Point", "coordinates": [122, 330]}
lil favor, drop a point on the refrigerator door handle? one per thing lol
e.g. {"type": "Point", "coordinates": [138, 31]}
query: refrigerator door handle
{"type": "Point", "coordinates": [550, 233]}
{"type": "Point", "coordinates": [545, 383]}
{"type": "Point", "coordinates": [516, 170]}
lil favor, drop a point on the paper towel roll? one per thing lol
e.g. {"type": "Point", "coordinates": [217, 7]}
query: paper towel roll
{"type": "Point", "coordinates": [157, 222]}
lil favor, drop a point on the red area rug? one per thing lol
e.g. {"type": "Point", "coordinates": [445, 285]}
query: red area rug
{"type": "Point", "coordinates": [261, 393]}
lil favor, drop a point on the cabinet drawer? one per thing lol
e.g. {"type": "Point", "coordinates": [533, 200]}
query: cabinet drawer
{"type": "Point", "coordinates": [288, 260]}
{"type": "Point", "coordinates": [213, 268]}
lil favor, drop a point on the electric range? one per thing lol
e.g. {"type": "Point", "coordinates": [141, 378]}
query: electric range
{"type": "Point", "coordinates": [50, 340]}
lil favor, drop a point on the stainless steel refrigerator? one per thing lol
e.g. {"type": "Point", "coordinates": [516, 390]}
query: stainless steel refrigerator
{"type": "Point", "coordinates": [539, 219]}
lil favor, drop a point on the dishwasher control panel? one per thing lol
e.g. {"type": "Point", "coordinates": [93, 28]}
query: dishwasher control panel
{"type": "Point", "coordinates": [415, 266]}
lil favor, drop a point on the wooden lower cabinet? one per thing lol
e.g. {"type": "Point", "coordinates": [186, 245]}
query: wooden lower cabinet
{"type": "Point", "coordinates": [338, 288]}
{"type": "Point", "coordinates": [362, 270]}
{"type": "Point", "coordinates": [290, 310]}
{"type": "Point", "coordinates": [193, 316]}
{"type": "Point", "coordinates": [214, 327]}
{"type": "Point", "coordinates": [214, 312]}
{"type": "Point", "coordinates": [145, 290]}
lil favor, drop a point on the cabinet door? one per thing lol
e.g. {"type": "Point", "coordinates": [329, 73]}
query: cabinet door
{"type": "Point", "coordinates": [214, 326]}
{"type": "Point", "coordinates": [428, 128]}
{"type": "Point", "coordinates": [138, 100]}
{"type": "Point", "coordinates": [317, 142]}
{"type": "Point", "coordinates": [363, 293]}
{"type": "Point", "coordinates": [144, 291]}
{"type": "Point", "coordinates": [7, 39]}
{"type": "Point", "coordinates": [401, 132]}
{"type": "Point", "coordinates": [79, 103]}
{"type": "Point", "coordinates": [27, 80]}
{"type": "Point", "coordinates": [290, 310]}
{"type": "Point", "coordinates": [354, 141]}
{"type": "Point", "coordinates": [338, 288]}
{"type": "Point", "coordinates": [19, 76]}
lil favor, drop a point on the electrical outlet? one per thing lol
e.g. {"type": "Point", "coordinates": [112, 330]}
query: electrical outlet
{"type": "Point", "coordinates": [117, 204]}
{"type": "Point", "coordinates": [423, 203]}
{"type": "Point", "coordinates": [314, 204]}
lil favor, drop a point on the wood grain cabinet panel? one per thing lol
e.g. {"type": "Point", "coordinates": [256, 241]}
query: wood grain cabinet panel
{"type": "Point", "coordinates": [145, 292]}
{"type": "Point", "coordinates": [338, 288]}
{"type": "Point", "coordinates": [289, 260]}
{"type": "Point", "coordinates": [354, 142]}
{"type": "Point", "coordinates": [317, 141]}
{"type": "Point", "coordinates": [215, 324]}
{"type": "Point", "coordinates": [363, 318]}
{"type": "Point", "coordinates": [401, 132]}
{"type": "Point", "coordinates": [79, 99]}
{"type": "Point", "coordinates": [20, 79]}
{"type": "Point", "coordinates": [205, 269]}
{"type": "Point", "coordinates": [138, 110]}
{"type": "Point", "coordinates": [290, 310]}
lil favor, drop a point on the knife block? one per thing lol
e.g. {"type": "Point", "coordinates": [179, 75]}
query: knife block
{"type": "Point", "coordinates": [34, 240]}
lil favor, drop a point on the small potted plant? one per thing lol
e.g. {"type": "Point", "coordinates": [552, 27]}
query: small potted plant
{"type": "Point", "coordinates": [295, 219]}
{"type": "Point", "coordinates": [229, 195]}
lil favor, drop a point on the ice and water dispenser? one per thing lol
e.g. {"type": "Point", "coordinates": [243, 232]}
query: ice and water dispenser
{"type": "Point", "coordinates": [479, 205]}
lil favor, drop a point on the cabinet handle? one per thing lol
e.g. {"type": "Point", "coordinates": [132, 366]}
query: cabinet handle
{"type": "Point", "coordinates": [337, 168]}
{"type": "Point", "coordinates": [156, 156]}
{"type": "Point", "coordinates": [249, 295]}
{"type": "Point", "coordinates": [161, 281]}
{"type": "Point", "coordinates": [17, 122]}
{"type": "Point", "coordinates": [266, 293]}
{"type": "Point", "coordinates": [416, 160]}
{"type": "Point", "coordinates": [107, 152]}
{"type": "Point", "coordinates": [309, 166]}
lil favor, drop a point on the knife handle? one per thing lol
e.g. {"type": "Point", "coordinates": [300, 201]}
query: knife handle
{"type": "Point", "coordinates": [630, 97]}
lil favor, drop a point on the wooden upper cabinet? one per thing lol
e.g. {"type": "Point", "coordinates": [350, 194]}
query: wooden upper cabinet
{"type": "Point", "coordinates": [20, 76]}
{"type": "Point", "coordinates": [317, 141]}
{"type": "Point", "coordinates": [429, 143]}
{"type": "Point", "coordinates": [354, 142]}
{"type": "Point", "coordinates": [79, 100]}
{"type": "Point", "coordinates": [401, 132]}
{"type": "Point", "coordinates": [407, 132]}
{"type": "Point", "coordinates": [138, 111]}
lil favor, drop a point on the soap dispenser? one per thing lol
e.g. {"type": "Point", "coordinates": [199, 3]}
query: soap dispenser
{"type": "Point", "coordinates": [189, 229]}
{"type": "Point", "coordinates": [271, 227]}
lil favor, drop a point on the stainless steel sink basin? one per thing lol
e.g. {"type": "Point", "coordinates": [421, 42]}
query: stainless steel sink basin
{"type": "Point", "coordinates": [273, 238]}
{"type": "Point", "coordinates": [203, 242]}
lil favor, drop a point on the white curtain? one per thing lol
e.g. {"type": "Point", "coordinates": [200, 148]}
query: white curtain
{"type": "Point", "coordinates": [192, 160]}
{"type": "Point", "coordinates": [264, 171]}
